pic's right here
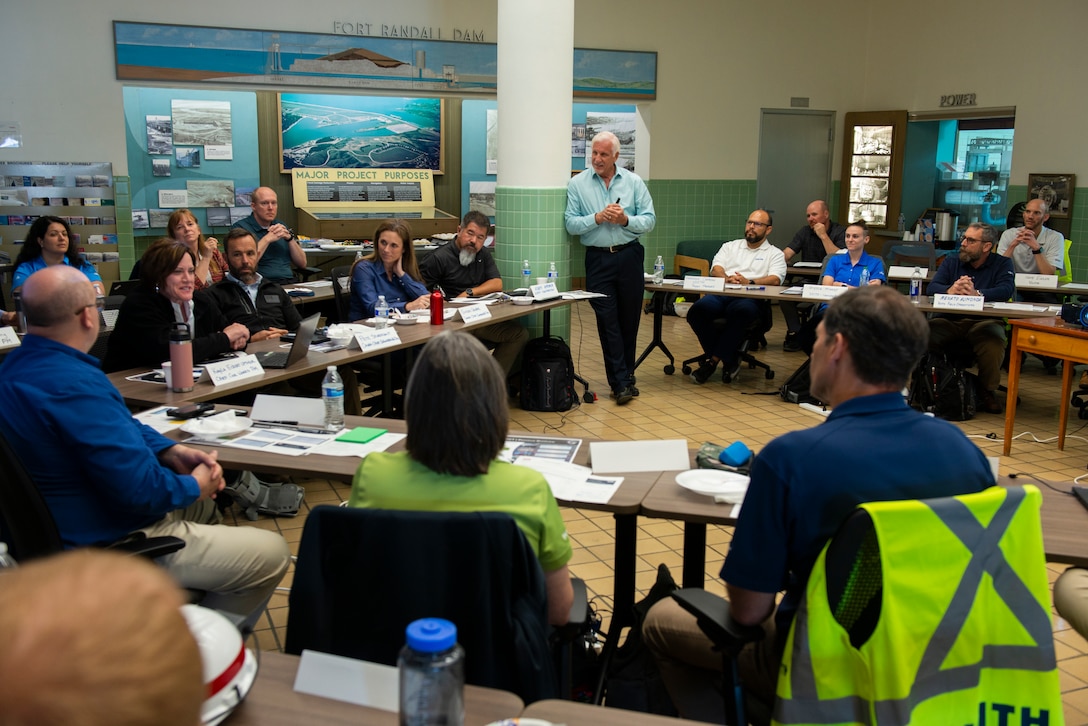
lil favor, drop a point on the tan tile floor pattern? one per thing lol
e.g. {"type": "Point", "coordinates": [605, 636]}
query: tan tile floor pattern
{"type": "Point", "coordinates": [674, 407]}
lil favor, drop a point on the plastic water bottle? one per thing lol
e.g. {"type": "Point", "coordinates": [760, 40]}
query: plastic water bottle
{"type": "Point", "coordinates": [526, 275]}
{"type": "Point", "coordinates": [916, 285]}
{"type": "Point", "coordinates": [332, 395]}
{"type": "Point", "coordinates": [381, 312]}
{"type": "Point", "coordinates": [553, 274]}
{"type": "Point", "coordinates": [7, 562]}
{"type": "Point", "coordinates": [358, 255]}
{"type": "Point", "coordinates": [902, 226]}
{"type": "Point", "coordinates": [863, 278]}
{"type": "Point", "coordinates": [432, 675]}
{"type": "Point", "coordinates": [659, 270]}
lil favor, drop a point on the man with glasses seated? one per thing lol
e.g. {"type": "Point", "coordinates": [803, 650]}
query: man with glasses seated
{"type": "Point", "coordinates": [975, 271]}
{"type": "Point", "coordinates": [752, 260]}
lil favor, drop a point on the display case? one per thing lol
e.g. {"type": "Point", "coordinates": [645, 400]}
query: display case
{"type": "Point", "coordinates": [872, 168]}
{"type": "Point", "coordinates": [82, 193]}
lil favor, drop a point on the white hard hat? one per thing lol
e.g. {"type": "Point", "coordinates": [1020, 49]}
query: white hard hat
{"type": "Point", "coordinates": [229, 667]}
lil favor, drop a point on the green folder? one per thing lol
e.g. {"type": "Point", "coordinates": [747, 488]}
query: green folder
{"type": "Point", "coordinates": [361, 435]}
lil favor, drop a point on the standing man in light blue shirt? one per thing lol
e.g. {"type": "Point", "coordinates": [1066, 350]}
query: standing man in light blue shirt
{"type": "Point", "coordinates": [610, 208]}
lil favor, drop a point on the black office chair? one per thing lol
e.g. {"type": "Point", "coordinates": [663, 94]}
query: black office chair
{"type": "Point", "coordinates": [28, 527]}
{"type": "Point", "coordinates": [754, 340]}
{"type": "Point", "coordinates": [363, 574]}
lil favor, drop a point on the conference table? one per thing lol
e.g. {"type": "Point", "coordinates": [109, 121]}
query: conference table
{"type": "Point", "coordinates": [1064, 521]}
{"type": "Point", "coordinates": [273, 701]}
{"type": "Point", "coordinates": [624, 506]}
{"type": "Point", "coordinates": [779, 293]}
{"type": "Point", "coordinates": [142, 394]}
{"type": "Point", "coordinates": [1052, 337]}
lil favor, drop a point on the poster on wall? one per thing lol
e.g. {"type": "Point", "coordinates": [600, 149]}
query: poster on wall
{"type": "Point", "coordinates": [160, 167]}
{"type": "Point", "coordinates": [201, 122]}
{"type": "Point", "coordinates": [360, 132]}
{"type": "Point", "coordinates": [210, 192]}
{"type": "Point", "coordinates": [159, 135]}
{"type": "Point", "coordinates": [1054, 189]}
{"type": "Point", "coordinates": [187, 157]}
{"type": "Point", "coordinates": [492, 160]}
{"type": "Point", "coordinates": [623, 126]}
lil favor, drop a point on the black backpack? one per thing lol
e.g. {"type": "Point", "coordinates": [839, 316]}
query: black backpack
{"type": "Point", "coordinates": [943, 389]}
{"type": "Point", "coordinates": [796, 387]}
{"type": "Point", "coordinates": [547, 376]}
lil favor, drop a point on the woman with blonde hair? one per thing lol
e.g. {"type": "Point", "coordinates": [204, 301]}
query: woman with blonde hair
{"type": "Point", "coordinates": [210, 263]}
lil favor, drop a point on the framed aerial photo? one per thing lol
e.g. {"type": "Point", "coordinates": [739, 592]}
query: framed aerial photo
{"type": "Point", "coordinates": [322, 131]}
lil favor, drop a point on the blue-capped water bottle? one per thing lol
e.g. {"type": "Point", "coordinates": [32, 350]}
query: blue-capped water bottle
{"type": "Point", "coordinates": [659, 270]}
{"type": "Point", "coordinates": [916, 286]}
{"type": "Point", "coordinates": [863, 278]}
{"type": "Point", "coordinates": [526, 275]}
{"type": "Point", "coordinates": [432, 674]}
{"type": "Point", "coordinates": [332, 395]}
{"type": "Point", "coordinates": [553, 274]}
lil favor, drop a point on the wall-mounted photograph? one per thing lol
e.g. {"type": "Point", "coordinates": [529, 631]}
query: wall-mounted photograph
{"type": "Point", "coordinates": [1054, 189]}
{"type": "Point", "coordinates": [360, 132]}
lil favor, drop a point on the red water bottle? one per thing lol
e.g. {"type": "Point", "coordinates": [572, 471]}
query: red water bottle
{"type": "Point", "coordinates": [437, 299]}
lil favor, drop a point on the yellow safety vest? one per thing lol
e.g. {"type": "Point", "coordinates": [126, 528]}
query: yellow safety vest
{"type": "Point", "coordinates": [963, 635]}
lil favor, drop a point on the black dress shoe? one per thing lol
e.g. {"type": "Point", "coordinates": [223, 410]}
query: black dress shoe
{"type": "Point", "coordinates": [625, 396]}
{"type": "Point", "coordinates": [988, 402]}
{"type": "Point", "coordinates": [790, 344]}
{"type": "Point", "coordinates": [732, 370]}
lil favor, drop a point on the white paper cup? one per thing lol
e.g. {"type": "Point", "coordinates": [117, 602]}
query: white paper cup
{"type": "Point", "coordinates": [166, 372]}
{"type": "Point", "coordinates": [542, 281]}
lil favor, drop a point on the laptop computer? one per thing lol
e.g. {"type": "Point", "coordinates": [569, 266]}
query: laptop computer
{"type": "Point", "coordinates": [299, 348]}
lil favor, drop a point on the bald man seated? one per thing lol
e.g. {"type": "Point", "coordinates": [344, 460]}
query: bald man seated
{"type": "Point", "coordinates": [277, 247]}
{"type": "Point", "coordinates": [103, 474]}
{"type": "Point", "coordinates": [124, 656]}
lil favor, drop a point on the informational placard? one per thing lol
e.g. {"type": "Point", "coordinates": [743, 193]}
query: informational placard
{"type": "Point", "coordinates": [958, 302]}
{"type": "Point", "coordinates": [545, 291]}
{"type": "Point", "coordinates": [329, 189]}
{"type": "Point", "coordinates": [696, 282]}
{"type": "Point", "coordinates": [8, 337]}
{"type": "Point", "coordinates": [905, 272]}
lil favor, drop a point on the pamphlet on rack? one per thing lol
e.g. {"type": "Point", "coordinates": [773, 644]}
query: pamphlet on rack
{"type": "Point", "coordinates": [571, 482]}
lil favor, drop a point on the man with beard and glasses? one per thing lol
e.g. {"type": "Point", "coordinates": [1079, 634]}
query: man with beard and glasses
{"type": "Point", "coordinates": [975, 272]}
{"type": "Point", "coordinates": [466, 269]}
{"type": "Point", "coordinates": [752, 260]}
{"type": "Point", "coordinates": [245, 296]}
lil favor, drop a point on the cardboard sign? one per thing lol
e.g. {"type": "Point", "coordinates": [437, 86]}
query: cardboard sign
{"type": "Point", "coordinates": [233, 369]}
{"type": "Point", "coordinates": [905, 272]}
{"type": "Point", "coordinates": [547, 291]}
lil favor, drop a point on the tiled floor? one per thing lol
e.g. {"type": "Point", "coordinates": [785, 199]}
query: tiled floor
{"type": "Point", "coordinates": [673, 407]}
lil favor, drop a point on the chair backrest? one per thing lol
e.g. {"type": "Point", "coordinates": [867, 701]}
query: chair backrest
{"type": "Point", "coordinates": [364, 574]}
{"type": "Point", "coordinates": [339, 295]}
{"type": "Point", "coordinates": [704, 248]}
{"type": "Point", "coordinates": [919, 610]}
{"type": "Point", "coordinates": [911, 255]}
{"type": "Point", "coordinates": [1067, 266]}
{"type": "Point", "coordinates": [26, 524]}
{"type": "Point", "coordinates": [683, 263]}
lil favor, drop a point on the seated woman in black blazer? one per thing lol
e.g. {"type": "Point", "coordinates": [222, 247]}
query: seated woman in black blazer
{"type": "Point", "coordinates": [166, 296]}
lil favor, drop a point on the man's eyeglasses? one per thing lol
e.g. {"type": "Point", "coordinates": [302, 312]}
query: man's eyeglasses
{"type": "Point", "coordinates": [99, 302]}
{"type": "Point", "coordinates": [969, 240]}
{"type": "Point", "coordinates": [754, 223]}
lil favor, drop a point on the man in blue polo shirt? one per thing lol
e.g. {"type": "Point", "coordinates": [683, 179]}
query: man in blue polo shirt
{"type": "Point", "coordinates": [610, 208]}
{"type": "Point", "coordinates": [872, 447]}
{"type": "Point", "coordinates": [277, 248]}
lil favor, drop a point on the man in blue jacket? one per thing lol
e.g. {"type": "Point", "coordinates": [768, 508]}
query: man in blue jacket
{"type": "Point", "coordinates": [103, 474]}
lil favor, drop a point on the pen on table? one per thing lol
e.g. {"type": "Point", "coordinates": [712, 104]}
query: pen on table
{"type": "Point", "coordinates": [755, 287]}
{"type": "Point", "coordinates": [277, 423]}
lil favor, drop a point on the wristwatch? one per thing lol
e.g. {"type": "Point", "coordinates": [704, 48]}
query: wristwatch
{"type": "Point", "coordinates": [469, 292]}
{"type": "Point", "coordinates": [1038, 251]}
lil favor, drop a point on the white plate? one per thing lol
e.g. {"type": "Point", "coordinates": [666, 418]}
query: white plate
{"type": "Point", "coordinates": [217, 425]}
{"type": "Point", "coordinates": [714, 483]}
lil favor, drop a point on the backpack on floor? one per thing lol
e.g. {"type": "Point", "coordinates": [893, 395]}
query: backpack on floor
{"type": "Point", "coordinates": [547, 376]}
{"type": "Point", "coordinates": [945, 390]}
{"type": "Point", "coordinates": [796, 387]}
